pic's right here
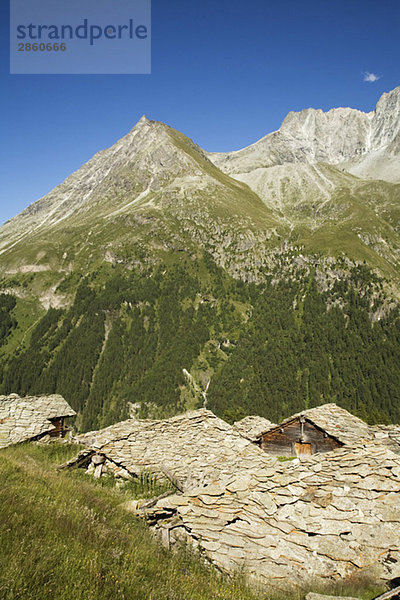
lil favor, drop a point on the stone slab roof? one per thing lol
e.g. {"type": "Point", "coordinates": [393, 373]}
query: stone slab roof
{"type": "Point", "coordinates": [193, 448]}
{"type": "Point", "coordinates": [252, 427]}
{"type": "Point", "coordinates": [336, 421]}
{"type": "Point", "coordinates": [22, 419]}
{"type": "Point", "coordinates": [329, 517]}
{"type": "Point", "coordinates": [388, 434]}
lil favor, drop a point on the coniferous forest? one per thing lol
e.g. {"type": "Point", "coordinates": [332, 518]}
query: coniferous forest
{"type": "Point", "coordinates": [160, 338]}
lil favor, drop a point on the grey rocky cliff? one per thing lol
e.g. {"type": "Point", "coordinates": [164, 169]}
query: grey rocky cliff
{"type": "Point", "coordinates": [341, 135]}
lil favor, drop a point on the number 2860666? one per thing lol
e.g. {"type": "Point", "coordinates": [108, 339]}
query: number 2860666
{"type": "Point", "coordinates": [26, 47]}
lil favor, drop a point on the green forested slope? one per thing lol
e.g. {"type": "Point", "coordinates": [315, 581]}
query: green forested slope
{"type": "Point", "coordinates": [295, 354]}
{"type": "Point", "coordinates": [157, 337]}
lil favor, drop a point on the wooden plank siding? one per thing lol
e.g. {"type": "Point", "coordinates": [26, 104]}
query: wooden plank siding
{"type": "Point", "coordinates": [60, 428]}
{"type": "Point", "coordinates": [299, 436]}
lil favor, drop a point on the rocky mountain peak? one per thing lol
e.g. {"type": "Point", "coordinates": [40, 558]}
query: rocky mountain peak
{"type": "Point", "coordinates": [386, 121]}
{"type": "Point", "coordinates": [389, 100]}
{"type": "Point", "coordinates": [140, 163]}
{"type": "Point", "coordinates": [143, 170]}
{"type": "Point", "coordinates": [340, 136]}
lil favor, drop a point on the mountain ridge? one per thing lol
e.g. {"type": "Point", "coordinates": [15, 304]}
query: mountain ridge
{"type": "Point", "coordinates": [155, 187]}
{"type": "Point", "coordinates": [312, 135]}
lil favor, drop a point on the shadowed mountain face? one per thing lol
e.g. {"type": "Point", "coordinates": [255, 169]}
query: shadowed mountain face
{"type": "Point", "coordinates": [166, 267]}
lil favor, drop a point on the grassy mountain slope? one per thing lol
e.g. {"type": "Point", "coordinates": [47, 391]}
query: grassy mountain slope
{"type": "Point", "coordinates": [332, 212]}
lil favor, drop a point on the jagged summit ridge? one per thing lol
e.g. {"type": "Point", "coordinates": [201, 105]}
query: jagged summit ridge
{"type": "Point", "coordinates": [341, 135]}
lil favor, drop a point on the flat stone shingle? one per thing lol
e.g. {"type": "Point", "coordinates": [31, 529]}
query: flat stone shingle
{"type": "Point", "coordinates": [252, 427]}
{"type": "Point", "coordinates": [332, 516]}
{"type": "Point", "coordinates": [326, 516]}
{"type": "Point", "coordinates": [193, 448]}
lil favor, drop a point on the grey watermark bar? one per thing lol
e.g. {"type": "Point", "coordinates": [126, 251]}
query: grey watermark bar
{"type": "Point", "coordinates": [80, 37]}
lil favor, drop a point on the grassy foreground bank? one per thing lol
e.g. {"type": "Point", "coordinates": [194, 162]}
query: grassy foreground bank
{"type": "Point", "coordinates": [65, 536]}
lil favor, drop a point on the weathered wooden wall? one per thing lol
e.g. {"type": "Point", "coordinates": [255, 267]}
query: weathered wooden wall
{"type": "Point", "coordinates": [282, 441]}
{"type": "Point", "coordinates": [60, 428]}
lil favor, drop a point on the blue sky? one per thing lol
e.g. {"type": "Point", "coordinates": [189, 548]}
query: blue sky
{"type": "Point", "coordinates": [224, 72]}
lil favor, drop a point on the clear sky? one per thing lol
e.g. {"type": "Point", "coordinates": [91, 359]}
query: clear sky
{"type": "Point", "coordinates": [224, 72]}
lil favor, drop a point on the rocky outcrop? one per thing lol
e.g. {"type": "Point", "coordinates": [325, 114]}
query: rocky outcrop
{"type": "Point", "coordinates": [155, 192]}
{"type": "Point", "coordinates": [313, 173]}
{"type": "Point", "coordinates": [340, 136]}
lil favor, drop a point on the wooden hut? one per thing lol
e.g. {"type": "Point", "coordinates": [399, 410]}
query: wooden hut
{"type": "Point", "coordinates": [319, 429]}
{"type": "Point", "coordinates": [297, 436]}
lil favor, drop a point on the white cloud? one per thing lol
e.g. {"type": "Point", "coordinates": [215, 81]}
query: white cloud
{"type": "Point", "coordinates": [371, 77]}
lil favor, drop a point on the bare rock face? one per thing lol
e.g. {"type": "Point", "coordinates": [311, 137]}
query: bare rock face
{"type": "Point", "coordinates": [339, 136]}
